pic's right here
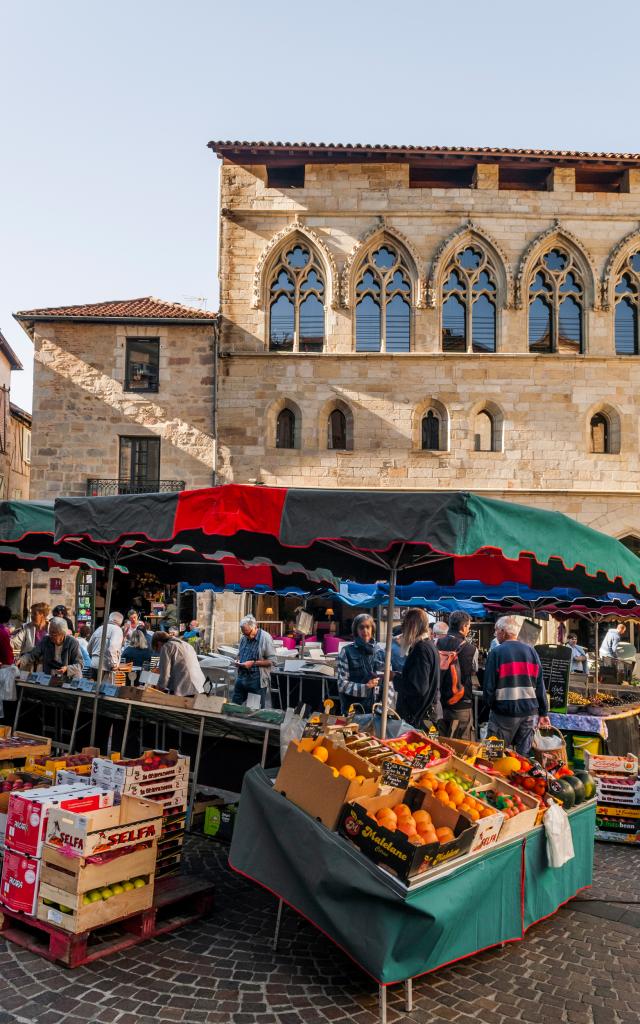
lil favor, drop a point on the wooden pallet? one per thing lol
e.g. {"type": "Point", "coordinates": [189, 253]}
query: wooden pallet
{"type": "Point", "coordinates": [177, 901]}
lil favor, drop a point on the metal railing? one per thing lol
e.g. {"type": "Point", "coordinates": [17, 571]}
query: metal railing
{"type": "Point", "coordinates": [97, 487]}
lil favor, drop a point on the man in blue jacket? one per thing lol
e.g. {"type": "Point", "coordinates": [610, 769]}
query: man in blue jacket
{"type": "Point", "coordinates": [514, 688]}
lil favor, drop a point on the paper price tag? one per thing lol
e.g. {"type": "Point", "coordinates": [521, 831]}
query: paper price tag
{"type": "Point", "coordinates": [395, 774]}
{"type": "Point", "coordinates": [312, 729]}
{"type": "Point", "coordinates": [494, 748]}
{"type": "Point", "coordinates": [55, 916]}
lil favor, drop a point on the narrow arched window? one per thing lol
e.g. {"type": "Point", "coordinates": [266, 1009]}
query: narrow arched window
{"type": "Point", "coordinates": [556, 304]}
{"type": "Point", "coordinates": [600, 435]}
{"type": "Point", "coordinates": [383, 302]}
{"type": "Point", "coordinates": [286, 429]}
{"type": "Point", "coordinates": [296, 302]}
{"type": "Point", "coordinates": [431, 431]}
{"type": "Point", "coordinates": [469, 303]}
{"type": "Point", "coordinates": [337, 431]}
{"type": "Point", "coordinates": [484, 435]}
{"type": "Point", "coordinates": [626, 300]}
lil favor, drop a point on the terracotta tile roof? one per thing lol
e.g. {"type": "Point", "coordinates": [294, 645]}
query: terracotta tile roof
{"type": "Point", "coordinates": [9, 354]}
{"type": "Point", "coordinates": [20, 414]}
{"type": "Point", "coordinates": [146, 308]}
{"type": "Point", "coordinates": [225, 148]}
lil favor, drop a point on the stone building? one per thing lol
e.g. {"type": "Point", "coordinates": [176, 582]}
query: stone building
{"type": "Point", "coordinates": [15, 458]}
{"type": "Point", "coordinates": [123, 402]}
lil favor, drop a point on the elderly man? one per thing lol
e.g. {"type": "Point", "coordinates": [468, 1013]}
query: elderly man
{"type": "Point", "coordinates": [59, 652]}
{"type": "Point", "coordinates": [115, 641]}
{"type": "Point", "coordinates": [514, 688]}
{"type": "Point", "coordinates": [255, 658]}
{"type": "Point", "coordinates": [579, 661]}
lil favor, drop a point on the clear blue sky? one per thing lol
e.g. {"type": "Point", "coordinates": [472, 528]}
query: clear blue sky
{"type": "Point", "coordinates": [106, 187]}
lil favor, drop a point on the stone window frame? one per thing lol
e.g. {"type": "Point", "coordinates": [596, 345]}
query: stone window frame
{"type": "Point", "coordinates": [614, 429]}
{"type": "Point", "coordinates": [496, 415]}
{"type": "Point", "coordinates": [333, 405]}
{"type": "Point", "coordinates": [298, 276]}
{"type": "Point", "coordinates": [129, 341]}
{"type": "Point", "coordinates": [383, 278]}
{"type": "Point", "coordinates": [554, 280]}
{"type": "Point", "coordinates": [441, 411]}
{"type": "Point", "coordinates": [125, 332]}
{"type": "Point", "coordinates": [618, 264]}
{"type": "Point", "coordinates": [272, 424]}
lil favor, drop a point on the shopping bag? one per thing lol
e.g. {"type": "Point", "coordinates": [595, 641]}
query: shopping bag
{"type": "Point", "coordinates": [549, 747]}
{"type": "Point", "coordinates": [8, 674]}
{"type": "Point", "coordinates": [292, 728]}
{"type": "Point", "coordinates": [559, 838]}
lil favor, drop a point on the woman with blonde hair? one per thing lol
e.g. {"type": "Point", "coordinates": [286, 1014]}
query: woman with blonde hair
{"type": "Point", "coordinates": [418, 687]}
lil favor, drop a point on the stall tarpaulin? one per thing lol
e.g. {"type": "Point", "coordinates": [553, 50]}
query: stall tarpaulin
{"type": "Point", "coordinates": [356, 534]}
{"type": "Point", "coordinates": [395, 934]}
{"type": "Point", "coordinates": [27, 531]}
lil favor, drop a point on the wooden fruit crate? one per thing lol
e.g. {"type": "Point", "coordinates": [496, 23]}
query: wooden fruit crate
{"type": "Point", "coordinates": [85, 917]}
{"type": "Point", "coordinates": [129, 823]}
{"type": "Point", "coordinates": [43, 746]}
{"type": "Point", "coordinates": [151, 695]}
{"type": "Point", "coordinates": [177, 901]}
{"type": "Point", "coordinates": [77, 875]}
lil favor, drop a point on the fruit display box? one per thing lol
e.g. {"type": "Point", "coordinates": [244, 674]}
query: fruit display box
{"type": "Point", "coordinates": [412, 743]}
{"type": "Point", "coordinates": [394, 850]}
{"type": "Point", "coordinates": [20, 881]}
{"type": "Point", "coordinates": [367, 747]}
{"type": "Point", "coordinates": [28, 813]}
{"type": "Point", "coordinates": [81, 916]}
{"type": "Point", "coordinates": [15, 782]}
{"type": "Point", "coordinates": [154, 766]}
{"type": "Point", "coordinates": [519, 823]}
{"type": "Point", "coordinates": [461, 772]}
{"type": "Point", "coordinates": [77, 876]}
{"type": "Point", "coordinates": [317, 786]}
{"type": "Point", "coordinates": [50, 766]}
{"type": "Point", "coordinates": [456, 789]}
{"type": "Point", "coordinates": [618, 789]}
{"type": "Point", "coordinates": [23, 744]}
{"type": "Point", "coordinates": [131, 822]}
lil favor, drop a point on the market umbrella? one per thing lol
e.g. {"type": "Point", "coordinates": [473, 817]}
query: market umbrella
{"type": "Point", "coordinates": [27, 531]}
{"type": "Point", "coordinates": [359, 534]}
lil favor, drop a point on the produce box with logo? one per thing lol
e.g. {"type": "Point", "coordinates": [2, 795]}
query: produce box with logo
{"type": "Point", "coordinates": [20, 882]}
{"type": "Point", "coordinates": [153, 766]}
{"type": "Point", "coordinates": [131, 822]}
{"type": "Point", "coordinates": [49, 766]}
{"type": "Point", "coordinates": [369, 824]}
{"type": "Point", "coordinates": [322, 776]}
{"type": "Point", "coordinates": [28, 813]}
{"type": "Point", "coordinates": [23, 745]}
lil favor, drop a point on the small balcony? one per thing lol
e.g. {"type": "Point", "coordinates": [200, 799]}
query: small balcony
{"type": "Point", "coordinates": [100, 487]}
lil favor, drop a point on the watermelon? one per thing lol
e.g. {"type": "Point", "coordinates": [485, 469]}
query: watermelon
{"type": "Point", "coordinates": [587, 781]}
{"type": "Point", "coordinates": [578, 787]}
{"type": "Point", "coordinates": [565, 792]}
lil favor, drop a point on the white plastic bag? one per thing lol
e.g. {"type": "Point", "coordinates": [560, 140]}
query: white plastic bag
{"type": "Point", "coordinates": [8, 675]}
{"type": "Point", "coordinates": [548, 741]}
{"type": "Point", "coordinates": [559, 838]}
{"type": "Point", "coordinates": [291, 729]}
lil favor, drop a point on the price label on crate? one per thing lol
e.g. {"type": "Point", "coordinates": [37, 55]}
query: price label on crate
{"type": "Point", "coordinates": [396, 774]}
{"type": "Point", "coordinates": [313, 729]}
{"type": "Point", "coordinates": [433, 734]}
{"type": "Point", "coordinates": [420, 761]}
{"type": "Point", "coordinates": [494, 747]}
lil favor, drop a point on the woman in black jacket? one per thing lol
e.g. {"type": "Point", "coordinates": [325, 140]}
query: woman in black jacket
{"type": "Point", "coordinates": [418, 687]}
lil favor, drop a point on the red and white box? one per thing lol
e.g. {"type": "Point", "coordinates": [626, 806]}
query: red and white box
{"type": "Point", "coordinates": [132, 777]}
{"type": "Point", "coordinates": [28, 812]}
{"type": "Point", "coordinates": [20, 882]}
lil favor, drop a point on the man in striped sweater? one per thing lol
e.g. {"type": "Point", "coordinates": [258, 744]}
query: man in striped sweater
{"type": "Point", "coordinates": [514, 688]}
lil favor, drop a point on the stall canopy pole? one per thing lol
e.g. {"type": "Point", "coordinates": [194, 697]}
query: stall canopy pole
{"type": "Point", "coordinates": [597, 658]}
{"type": "Point", "coordinates": [387, 654]}
{"type": "Point", "coordinates": [103, 647]}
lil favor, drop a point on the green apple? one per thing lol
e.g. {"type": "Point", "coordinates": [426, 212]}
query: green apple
{"type": "Point", "coordinates": [66, 910]}
{"type": "Point", "coordinates": [128, 886]}
{"type": "Point", "coordinates": [86, 899]}
{"type": "Point", "coordinates": [138, 883]}
{"type": "Point", "coordinates": [106, 893]}
{"type": "Point", "coordinates": [117, 889]}
{"type": "Point", "coordinates": [95, 895]}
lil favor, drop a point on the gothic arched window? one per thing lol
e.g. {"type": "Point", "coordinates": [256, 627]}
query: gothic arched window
{"type": "Point", "coordinates": [431, 431]}
{"type": "Point", "coordinates": [337, 431]}
{"type": "Point", "coordinates": [469, 303]}
{"type": "Point", "coordinates": [383, 302]}
{"type": "Point", "coordinates": [286, 429]}
{"type": "Point", "coordinates": [626, 300]}
{"type": "Point", "coordinates": [556, 303]}
{"type": "Point", "coordinates": [600, 438]}
{"type": "Point", "coordinates": [485, 437]}
{"type": "Point", "coordinates": [296, 302]}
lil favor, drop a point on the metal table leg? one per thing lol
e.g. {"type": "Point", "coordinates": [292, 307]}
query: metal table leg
{"type": "Point", "coordinates": [76, 714]}
{"type": "Point", "coordinates": [276, 934]}
{"type": "Point", "coordinates": [382, 1003]}
{"type": "Point", "coordinates": [265, 747]}
{"type": "Point", "coordinates": [125, 734]}
{"type": "Point", "coordinates": [196, 767]}
{"type": "Point", "coordinates": [408, 995]}
{"type": "Point", "coordinates": [18, 707]}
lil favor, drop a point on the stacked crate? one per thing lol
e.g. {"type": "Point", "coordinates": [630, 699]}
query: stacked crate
{"type": "Point", "coordinates": [161, 776]}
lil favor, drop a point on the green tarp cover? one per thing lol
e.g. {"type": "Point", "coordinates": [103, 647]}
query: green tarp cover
{"type": "Point", "coordinates": [393, 934]}
{"type": "Point", "coordinates": [546, 888]}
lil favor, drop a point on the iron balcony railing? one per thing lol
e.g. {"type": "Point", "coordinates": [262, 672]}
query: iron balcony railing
{"type": "Point", "coordinates": [97, 487]}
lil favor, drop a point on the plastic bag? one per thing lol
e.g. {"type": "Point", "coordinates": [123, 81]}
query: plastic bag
{"type": "Point", "coordinates": [546, 741]}
{"type": "Point", "coordinates": [559, 838]}
{"type": "Point", "coordinates": [292, 728]}
{"type": "Point", "coordinates": [8, 675]}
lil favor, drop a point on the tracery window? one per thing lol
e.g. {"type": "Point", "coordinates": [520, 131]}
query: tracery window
{"type": "Point", "coordinates": [296, 302]}
{"type": "Point", "coordinates": [431, 432]}
{"type": "Point", "coordinates": [383, 302]}
{"type": "Point", "coordinates": [556, 303]}
{"type": "Point", "coordinates": [469, 303]}
{"type": "Point", "coordinates": [626, 300]}
{"type": "Point", "coordinates": [286, 429]}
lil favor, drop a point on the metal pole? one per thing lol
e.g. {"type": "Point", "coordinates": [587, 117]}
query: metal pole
{"type": "Point", "coordinates": [387, 654]}
{"type": "Point", "coordinates": [382, 1003]}
{"type": "Point", "coordinates": [596, 659]}
{"type": "Point", "coordinates": [276, 934]}
{"type": "Point", "coordinates": [103, 647]}
{"type": "Point", "coordinates": [125, 734]}
{"type": "Point", "coordinates": [408, 995]}
{"type": "Point", "coordinates": [72, 738]}
{"type": "Point", "coordinates": [196, 768]}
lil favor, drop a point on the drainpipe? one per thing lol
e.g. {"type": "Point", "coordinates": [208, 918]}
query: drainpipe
{"type": "Point", "coordinates": [216, 338]}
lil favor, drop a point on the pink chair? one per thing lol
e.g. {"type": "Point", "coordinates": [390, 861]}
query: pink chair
{"type": "Point", "coordinates": [287, 641]}
{"type": "Point", "coordinates": [331, 644]}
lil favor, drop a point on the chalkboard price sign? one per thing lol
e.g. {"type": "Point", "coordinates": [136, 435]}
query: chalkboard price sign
{"type": "Point", "coordinates": [556, 668]}
{"type": "Point", "coordinates": [395, 774]}
{"type": "Point", "coordinates": [420, 761]}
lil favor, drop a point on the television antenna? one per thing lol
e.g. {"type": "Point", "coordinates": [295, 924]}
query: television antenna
{"type": "Point", "coordinates": [196, 298]}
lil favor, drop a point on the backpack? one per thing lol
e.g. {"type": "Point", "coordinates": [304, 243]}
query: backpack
{"type": "Point", "coordinates": [449, 664]}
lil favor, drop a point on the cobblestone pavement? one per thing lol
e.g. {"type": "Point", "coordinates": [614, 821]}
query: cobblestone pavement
{"type": "Point", "coordinates": [575, 967]}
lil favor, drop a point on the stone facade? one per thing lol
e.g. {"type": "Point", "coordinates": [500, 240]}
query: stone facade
{"type": "Point", "coordinates": [542, 404]}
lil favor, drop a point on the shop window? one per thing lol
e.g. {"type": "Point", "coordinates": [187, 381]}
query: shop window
{"type": "Point", "coordinates": [142, 371]}
{"type": "Point", "coordinates": [296, 305]}
{"type": "Point", "coordinates": [469, 303]}
{"type": "Point", "coordinates": [286, 429]}
{"type": "Point", "coordinates": [626, 307]}
{"type": "Point", "coordinates": [383, 302]}
{"type": "Point", "coordinates": [556, 304]}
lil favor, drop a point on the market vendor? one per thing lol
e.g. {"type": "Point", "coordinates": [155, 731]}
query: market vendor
{"type": "Point", "coordinates": [579, 661]}
{"type": "Point", "coordinates": [179, 668]}
{"type": "Point", "coordinates": [255, 658]}
{"type": "Point", "coordinates": [58, 653]}
{"type": "Point", "coordinates": [514, 689]}
{"type": "Point", "coordinates": [359, 667]}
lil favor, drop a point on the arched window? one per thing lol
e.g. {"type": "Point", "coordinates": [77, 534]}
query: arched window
{"type": "Point", "coordinates": [556, 302]}
{"type": "Point", "coordinates": [600, 439]}
{"type": "Point", "coordinates": [383, 302]}
{"type": "Point", "coordinates": [431, 432]}
{"type": "Point", "coordinates": [469, 303]}
{"type": "Point", "coordinates": [485, 437]}
{"type": "Point", "coordinates": [337, 431]}
{"type": "Point", "coordinates": [626, 299]}
{"type": "Point", "coordinates": [286, 429]}
{"type": "Point", "coordinates": [296, 302]}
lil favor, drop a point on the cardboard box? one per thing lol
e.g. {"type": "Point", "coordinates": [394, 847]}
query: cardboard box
{"type": "Point", "coordinates": [122, 775]}
{"type": "Point", "coordinates": [219, 821]}
{"type": "Point", "coordinates": [20, 881]}
{"type": "Point", "coordinates": [394, 850]}
{"type": "Point", "coordinates": [65, 777]}
{"type": "Point", "coordinates": [598, 764]}
{"type": "Point", "coordinates": [28, 813]}
{"type": "Point", "coordinates": [621, 789]}
{"type": "Point", "coordinates": [106, 829]}
{"type": "Point", "coordinates": [49, 766]}
{"type": "Point", "coordinates": [419, 737]}
{"type": "Point", "coordinates": [616, 837]}
{"type": "Point", "coordinates": [310, 784]}
{"type": "Point", "coordinates": [23, 744]}
{"type": "Point", "coordinates": [522, 822]}
{"type": "Point", "coordinates": [479, 780]}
